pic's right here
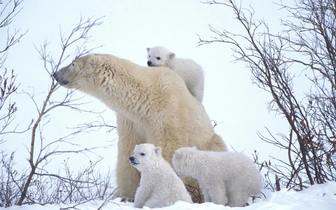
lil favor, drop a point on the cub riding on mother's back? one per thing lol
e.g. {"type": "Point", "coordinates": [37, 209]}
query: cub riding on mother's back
{"type": "Point", "coordinates": [189, 70]}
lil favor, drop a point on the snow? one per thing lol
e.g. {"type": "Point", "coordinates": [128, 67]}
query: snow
{"type": "Point", "coordinates": [317, 197]}
{"type": "Point", "coordinates": [229, 79]}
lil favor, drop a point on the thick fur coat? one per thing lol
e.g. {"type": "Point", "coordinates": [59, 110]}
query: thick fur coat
{"type": "Point", "coordinates": [159, 184]}
{"type": "Point", "coordinates": [226, 178]}
{"type": "Point", "coordinates": [151, 106]}
{"type": "Point", "coordinates": [189, 70]}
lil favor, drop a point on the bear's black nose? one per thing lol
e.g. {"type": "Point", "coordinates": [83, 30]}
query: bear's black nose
{"type": "Point", "coordinates": [55, 76]}
{"type": "Point", "coordinates": [131, 158]}
{"type": "Point", "coordinates": [149, 63]}
{"type": "Point", "coordinates": [60, 79]}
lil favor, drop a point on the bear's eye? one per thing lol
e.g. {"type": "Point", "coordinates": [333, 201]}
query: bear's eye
{"type": "Point", "coordinates": [142, 154]}
{"type": "Point", "coordinates": [72, 65]}
{"type": "Point", "coordinates": [158, 58]}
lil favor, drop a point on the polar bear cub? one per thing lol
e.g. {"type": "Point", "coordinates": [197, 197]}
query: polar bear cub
{"type": "Point", "coordinates": [159, 184]}
{"type": "Point", "coordinates": [189, 70]}
{"type": "Point", "coordinates": [226, 178]}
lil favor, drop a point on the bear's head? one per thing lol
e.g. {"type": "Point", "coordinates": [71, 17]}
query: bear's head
{"type": "Point", "coordinates": [144, 156]}
{"type": "Point", "coordinates": [158, 56]}
{"type": "Point", "coordinates": [80, 74]}
{"type": "Point", "coordinates": [182, 159]}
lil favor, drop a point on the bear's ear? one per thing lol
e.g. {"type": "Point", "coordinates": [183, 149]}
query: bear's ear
{"type": "Point", "coordinates": [171, 55]}
{"type": "Point", "coordinates": [148, 49]}
{"type": "Point", "coordinates": [177, 155]}
{"type": "Point", "coordinates": [158, 151]}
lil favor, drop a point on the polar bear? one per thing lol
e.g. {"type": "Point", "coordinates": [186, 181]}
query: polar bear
{"type": "Point", "coordinates": [226, 178]}
{"type": "Point", "coordinates": [151, 107]}
{"type": "Point", "coordinates": [189, 70]}
{"type": "Point", "coordinates": [159, 184]}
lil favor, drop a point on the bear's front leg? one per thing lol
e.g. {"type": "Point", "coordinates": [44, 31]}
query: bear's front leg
{"type": "Point", "coordinates": [205, 192]}
{"type": "Point", "coordinates": [127, 176]}
{"type": "Point", "coordinates": [217, 192]}
{"type": "Point", "coordinates": [142, 195]}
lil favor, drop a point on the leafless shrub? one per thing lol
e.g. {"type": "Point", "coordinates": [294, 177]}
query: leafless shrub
{"type": "Point", "coordinates": [305, 49]}
{"type": "Point", "coordinates": [66, 187]}
{"type": "Point", "coordinates": [7, 13]}
{"type": "Point", "coordinates": [196, 193]}
{"type": "Point", "coordinates": [38, 158]}
{"type": "Point", "coordinates": [72, 187]}
{"type": "Point", "coordinates": [8, 85]}
{"type": "Point", "coordinates": [11, 180]}
{"type": "Point", "coordinates": [265, 167]}
{"type": "Point", "coordinates": [36, 184]}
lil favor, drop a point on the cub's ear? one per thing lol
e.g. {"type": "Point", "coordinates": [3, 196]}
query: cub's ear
{"type": "Point", "coordinates": [177, 155]}
{"type": "Point", "coordinates": [148, 49]}
{"type": "Point", "coordinates": [171, 55]}
{"type": "Point", "coordinates": [158, 151]}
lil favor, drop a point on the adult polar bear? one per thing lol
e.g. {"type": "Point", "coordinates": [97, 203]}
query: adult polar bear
{"type": "Point", "coordinates": [152, 107]}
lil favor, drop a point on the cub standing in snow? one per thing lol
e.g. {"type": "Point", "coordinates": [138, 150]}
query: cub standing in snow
{"type": "Point", "coordinates": [189, 70]}
{"type": "Point", "coordinates": [226, 178]}
{"type": "Point", "coordinates": [159, 184]}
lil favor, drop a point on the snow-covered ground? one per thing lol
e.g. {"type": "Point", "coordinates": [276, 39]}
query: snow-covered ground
{"type": "Point", "coordinates": [317, 197]}
{"type": "Point", "coordinates": [129, 27]}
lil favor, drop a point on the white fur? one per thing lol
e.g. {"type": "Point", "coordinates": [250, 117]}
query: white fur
{"type": "Point", "coordinates": [226, 178]}
{"type": "Point", "coordinates": [159, 184]}
{"type": "Point", "coordinates": [189, 70]}
{"type": "Point", "coordinates": [152, 105]}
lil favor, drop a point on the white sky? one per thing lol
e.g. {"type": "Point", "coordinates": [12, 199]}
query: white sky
{"type": "Point", "coordinates": [129, 28]}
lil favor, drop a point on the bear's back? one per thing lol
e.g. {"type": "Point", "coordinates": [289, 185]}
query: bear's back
{"type": "Point", "coordinates": [235, 165]}
{"type": "Point", "coordinates": [184, 65]}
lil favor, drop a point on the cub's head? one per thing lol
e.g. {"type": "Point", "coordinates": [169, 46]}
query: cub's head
{"type": "Point", "coordinates": [158, 56]}
{"type": "Point", "coordinates": [80, 74]}
{"type": "Point", "coordinates": [182, 160]}
{"type": "Point", "coordinates": [145, 155]}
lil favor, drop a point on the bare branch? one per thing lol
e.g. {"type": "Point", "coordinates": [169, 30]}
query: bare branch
{"type": "Point", "coordinates": [79, 33]}
{"type": "Point", "coordinates": [307, 43]}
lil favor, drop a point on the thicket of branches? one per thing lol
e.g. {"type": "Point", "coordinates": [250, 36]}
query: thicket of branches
{"type": "Point", "coordinates": [36, 184]}
{"type": "Point", "coordinates": [304, 49]}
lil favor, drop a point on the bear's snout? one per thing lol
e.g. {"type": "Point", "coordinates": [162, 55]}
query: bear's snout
{"type": "Point", "coordinates": [59, 78]}
{"type": "Point", "coordinates": [133, 161]}
{"type": "Point", "coordinates": [149, 63]}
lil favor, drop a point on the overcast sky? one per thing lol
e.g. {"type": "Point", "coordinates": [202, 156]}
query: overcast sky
{"type": "Point", "coordinates": [128, 28]}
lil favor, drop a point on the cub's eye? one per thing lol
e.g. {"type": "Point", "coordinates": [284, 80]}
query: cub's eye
{"type": "Point", "coordinates": [142, 154]}
{"type": "Point", "coordinates": [158, 58]}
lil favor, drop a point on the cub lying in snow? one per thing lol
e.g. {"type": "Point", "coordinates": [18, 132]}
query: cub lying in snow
{"type": "Point", "coordinates": [159, 184]}
{"type": "Point", "coordinates": [226, 178]}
